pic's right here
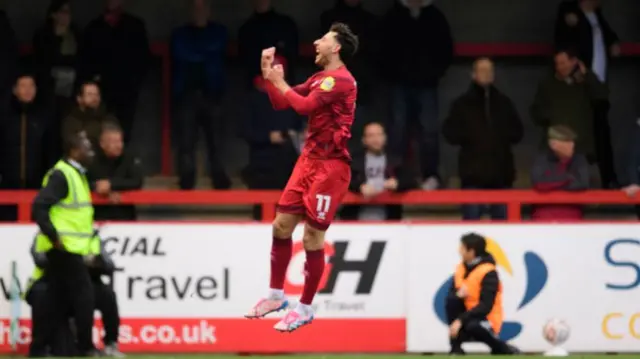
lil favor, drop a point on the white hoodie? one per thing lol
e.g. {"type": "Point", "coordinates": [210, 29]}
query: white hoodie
{"type": "Point", "coordinates": [415, 12]}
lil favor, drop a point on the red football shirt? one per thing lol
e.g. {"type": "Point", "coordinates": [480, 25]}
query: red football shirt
{"type": "Point", "coordinates": [329, 99]}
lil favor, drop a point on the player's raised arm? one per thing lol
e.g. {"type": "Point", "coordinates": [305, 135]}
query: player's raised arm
{"type": "Point", "coordinates": [329, 90]}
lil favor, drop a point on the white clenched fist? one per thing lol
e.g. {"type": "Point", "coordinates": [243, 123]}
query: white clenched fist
{"type": "Point", "coordinates": [267, 57]}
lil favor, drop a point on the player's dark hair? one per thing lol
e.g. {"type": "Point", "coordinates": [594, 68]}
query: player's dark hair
{"type": "Point", "coordinates": [347, 39]}
{"type": "Point", "coordinates": [73, 142]}
{"type": "Point", "coordinates": [475, 242]}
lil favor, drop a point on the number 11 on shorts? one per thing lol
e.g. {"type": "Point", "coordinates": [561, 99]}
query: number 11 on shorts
{"type": "Point", "coordinates": [323, 205]}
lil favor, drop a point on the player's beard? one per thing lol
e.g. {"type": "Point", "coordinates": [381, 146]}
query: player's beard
{"type": "Point", "coordinates": [321, 60]}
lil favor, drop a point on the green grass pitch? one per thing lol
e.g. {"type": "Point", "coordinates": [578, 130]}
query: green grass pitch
{"type": "Point", "coordinates": [392, 356]}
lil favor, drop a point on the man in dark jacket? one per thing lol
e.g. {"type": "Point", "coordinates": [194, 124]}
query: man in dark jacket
{"type": "Point", "coordinates": [474, 304]}
{"type": "Point", "coordinates": [581, 25]}
{"type": "Point", "coordinates": [271, 134]}
{"type": "Point", "coordinates": [559, 168]}
{"type": "Point", "coordinates": [264, 29]}
{"type": "Point", "coordinates": [198, 50]}
{"type": "Point", "coordinates": [89, 115]}
{"type": "Point", "coordinates": [114, 170]}
{"type": "Point", "coordinates": [485, 124]}
{"type": "Point", "coordinates": [23, 158]}
{"type": "Point", "coordinates": [8, 59]}
{"type": "Point", "coordinates": [373, 171]}
{"type": "Point", "coordinates": [419, 50]}
{"type": "Point", "coordinates": [364, 25]}
{"type": "Point", "coordinates": [115, 52]}
{"type": "Point", "coordinates": [566, 97]}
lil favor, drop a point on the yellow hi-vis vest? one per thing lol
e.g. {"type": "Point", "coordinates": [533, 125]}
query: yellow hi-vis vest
{"type": "Point", "coordinates": [72, 216]}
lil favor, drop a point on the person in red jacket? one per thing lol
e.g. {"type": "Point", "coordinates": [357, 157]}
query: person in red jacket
{"type": "Point", "coordinates": [559, 168]}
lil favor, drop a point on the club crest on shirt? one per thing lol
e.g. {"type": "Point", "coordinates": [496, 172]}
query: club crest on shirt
{"type": "Point", "coordinates": [328, 83]}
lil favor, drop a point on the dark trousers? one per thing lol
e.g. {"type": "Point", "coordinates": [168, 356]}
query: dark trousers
{"type": "Point", "coordinates": [415, 110]}
{"type": "Point", "coordinates": [198, 114]}
{"type": "Point", "coordinates": [473, 330]}
{"type": "Point", "coordinates": [604, 150]}
{"type": "Point", "coordinates": [107, 305]}
{"type": "Point", "coordinates": [70, 286]}
{"type": "Point", "coordinates": [62, 343]}
{"type": "Point", "coordinates": [473, 212]}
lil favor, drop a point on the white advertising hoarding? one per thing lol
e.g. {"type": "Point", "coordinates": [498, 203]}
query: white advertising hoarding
{"type": "Point", "coordinates": [174, 276]}
{"type": "Point", "coordinates": [190, 285]}
{"type": "Point", "coordinates": [588, 275]}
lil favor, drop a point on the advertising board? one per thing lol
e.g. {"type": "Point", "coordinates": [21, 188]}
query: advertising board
{"type": "Point", "coordinates": [187, 288]}
{"type": "Point", "coordinates": [587, 275]}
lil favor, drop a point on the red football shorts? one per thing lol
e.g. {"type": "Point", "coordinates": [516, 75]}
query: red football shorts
{"type": "Point", "coordinates": [316, 189]}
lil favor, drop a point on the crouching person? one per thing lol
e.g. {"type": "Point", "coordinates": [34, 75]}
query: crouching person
{"type": "Point", "coordinates": [474, 304]}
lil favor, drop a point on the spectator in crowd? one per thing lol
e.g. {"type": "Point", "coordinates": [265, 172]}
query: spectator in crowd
{"type": "Point", "coordinates": [55, 49]}
{"type": "Point", "coordinates": [8, 59]}
{"type": "Point", "coordinates": [271, 134]}
{"type": "Point", "coordinates": [198, 51]}
{"type": "Point", "coordinates": [23, 125]}
{"type": "Point", "coordinates": [485, 124]}
{"type": "Point", "coordinates": [115, 53]}
{"type": "Point", "coordinates": [566, 97]}
{"type": "Point", "coordinates": [114, 169]}
{"type": "Point", "coordinates": [581, 25]}
{"type": "Point", "coordinates": [363, 24]}
{"type": "Point", "coordinates": [633, 186]}
{"type": "Point", "coordinates": [417, 36]}
{"type": "Point", "coordinates": [559, 168]}
{"type": "Point", "coordinates": [374, 171]}
{"type": "Point", "coordinates": [89, 115]}
{"type": "Point", "coordinates": [264, 29]}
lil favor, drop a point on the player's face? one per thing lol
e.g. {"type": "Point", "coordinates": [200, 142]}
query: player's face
{"type": "Point", "coordinates": [326, 46]}
{"type": "Point", "coordinates": [483, 73]}
{"type": "Point", "coordinates": [85, 152]}
{"type": "Point", "coordinates": [374, 138]}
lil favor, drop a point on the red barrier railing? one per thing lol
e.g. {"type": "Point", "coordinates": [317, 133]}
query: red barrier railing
{"type": "Point", "coordinates": [514, 199]}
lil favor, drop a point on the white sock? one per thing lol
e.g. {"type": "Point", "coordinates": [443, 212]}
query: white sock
{"type": "Point", "coordinates": [304, 309]}
{"type": "Point", "coordinates": [276, 293]}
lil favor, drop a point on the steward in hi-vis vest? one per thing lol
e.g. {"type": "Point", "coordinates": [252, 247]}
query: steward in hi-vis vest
{"type": "Point", "coordinates": [64, 214]}
{"type": "Point", "coordinates": [474, 304]}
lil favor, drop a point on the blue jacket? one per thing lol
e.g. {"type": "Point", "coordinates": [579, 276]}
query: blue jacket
{"type": "Point", "coordinates": [634, 161]}
{"type": "Point", "coordinates": [205, 46]}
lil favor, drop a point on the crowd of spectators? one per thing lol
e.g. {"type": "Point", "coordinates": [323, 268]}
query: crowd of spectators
{"type": "Point", "coordinates": [89, 79]}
